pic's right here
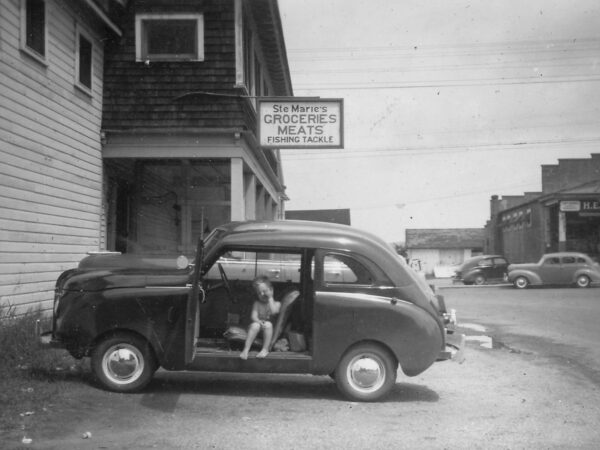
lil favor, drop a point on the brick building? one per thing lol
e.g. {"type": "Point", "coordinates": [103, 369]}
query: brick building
{"type": "Point", "coordinates": [564, 216]}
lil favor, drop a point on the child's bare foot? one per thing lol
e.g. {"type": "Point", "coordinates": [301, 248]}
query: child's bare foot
{"type": "Point", "coordinates": [244, 355]}
{"type": "Point", "coordinates": [262, 353]}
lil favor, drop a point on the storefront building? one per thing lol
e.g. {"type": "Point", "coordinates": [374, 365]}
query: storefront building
{"type": "Point", "coordinates": [180, 148]}
{"type": "Point", "coordinates": [565, 216]}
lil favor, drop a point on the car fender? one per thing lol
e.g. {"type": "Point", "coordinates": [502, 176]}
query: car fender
{"type": "Point", "coordinates": [593, 276]}
{"type": "Point", "coordinates": [472, 274]}
{"type": "Point", "coordinates": [533, 277]}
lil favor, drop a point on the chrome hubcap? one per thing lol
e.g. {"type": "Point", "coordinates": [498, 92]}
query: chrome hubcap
{"type": "Point", "coordinates": [123, 363]}
{"type": "Point", "coordinates": [521, 282]}
{"type": "Point", "coordinates": [366, 373]}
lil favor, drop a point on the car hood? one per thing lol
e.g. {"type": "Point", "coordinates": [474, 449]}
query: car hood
{"type": "Point", "coordinates": [101, 272]}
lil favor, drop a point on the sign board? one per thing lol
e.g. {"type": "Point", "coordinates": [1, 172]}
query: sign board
{"type": "Point", "coordinates": [570, 205]}
{"type": "Point", "coordinates": [296, 122]}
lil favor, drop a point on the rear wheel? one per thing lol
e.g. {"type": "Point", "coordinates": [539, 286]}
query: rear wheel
{"type": "Point", "coordinates": [123, 363]}
{"type": "Point", "coordinates": [521, 282]}
{"type": "Point", "coordinates": [366, 373]}
{"type": "Point", "coordinates": [583, 281]}
{"type": "Point", "coordinates": [479, 280]}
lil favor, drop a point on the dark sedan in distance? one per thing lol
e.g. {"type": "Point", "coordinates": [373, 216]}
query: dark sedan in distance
{"type": "Point", "coordinates": [481, 270]}
{"type": "Point", "coordinates": [561, 268]}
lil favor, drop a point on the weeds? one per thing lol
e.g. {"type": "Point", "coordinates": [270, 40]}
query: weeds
{"type": "Point", "coordinates": [31, 377]}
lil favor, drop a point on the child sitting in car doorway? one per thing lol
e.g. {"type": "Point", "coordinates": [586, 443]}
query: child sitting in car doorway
{"type": "Point", "coordinates": [263, 311]}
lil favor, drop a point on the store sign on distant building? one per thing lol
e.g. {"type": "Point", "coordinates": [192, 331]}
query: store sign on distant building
{"type": "Point", "coordinates": [301, 123]}
{"type": "Point", "coordinates": [570, 205]}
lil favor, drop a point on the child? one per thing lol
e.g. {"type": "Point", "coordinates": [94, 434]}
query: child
{"type": "Point", "coordinates": [262, 311]}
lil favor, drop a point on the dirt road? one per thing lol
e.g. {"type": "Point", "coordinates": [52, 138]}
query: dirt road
{"type": "Point", "coordinates": [499, 398]}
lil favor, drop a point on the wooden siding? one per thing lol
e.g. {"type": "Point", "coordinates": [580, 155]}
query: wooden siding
{"type": "Point", "coordinates": [139, 95]}
{"type": "Point", "coordinates": [51, 166]}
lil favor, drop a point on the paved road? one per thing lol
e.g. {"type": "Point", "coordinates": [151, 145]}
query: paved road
{"type": "Point", "coordinates": [562, 323]}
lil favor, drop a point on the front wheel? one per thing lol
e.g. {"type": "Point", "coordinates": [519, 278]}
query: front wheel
{"type": "Point", "coordinates": [366, 373]}
{"type": "Point", "coordinates": [521, 282]}
{"type": "Point", "coordinates": [583, 281]}
{"type": "Point", "coordinates": [123, 363]}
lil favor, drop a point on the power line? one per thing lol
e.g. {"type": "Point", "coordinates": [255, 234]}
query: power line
{"type": "Point", "coordinates": [411, 151]}
{"type": "Point", "coordinates": [449, 83]}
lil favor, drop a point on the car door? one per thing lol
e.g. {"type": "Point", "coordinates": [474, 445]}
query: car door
{"type": "Point", "coordinates": [499, 268]}
{"type": "Point", "coordinates": [550, 270]}
{"type": "Point", "coordinates": [568, 268]}
{"type": "Point", "coordinates": [192, 319]}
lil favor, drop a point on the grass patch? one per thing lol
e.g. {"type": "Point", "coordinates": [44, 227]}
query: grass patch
{"type": "Point", "coordinates": [32, 378]}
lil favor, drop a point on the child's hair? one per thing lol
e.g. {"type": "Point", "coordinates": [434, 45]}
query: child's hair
{"type": "Point", "coordinates": [262, 280]}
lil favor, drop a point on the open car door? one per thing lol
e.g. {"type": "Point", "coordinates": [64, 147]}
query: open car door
{"type": "Point", "coordinates": [192, 319]}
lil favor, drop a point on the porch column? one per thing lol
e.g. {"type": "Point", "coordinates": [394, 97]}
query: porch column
{"type": "Point", "coordinates": [237, 189]}
{"type": "Point", "coordinates": [260, 203]}
{"type": "Point", "coordinates": [250, 193]}
{"type": "Point", "coordinates": [562, 231]}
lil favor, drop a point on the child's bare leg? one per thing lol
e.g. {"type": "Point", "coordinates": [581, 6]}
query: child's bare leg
{"type": "Point", "coordinates": [267, 335]}
{"type": "Point", "coordinates": [252, 332]}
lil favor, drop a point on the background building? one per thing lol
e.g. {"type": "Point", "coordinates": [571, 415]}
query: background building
{"type": "Point", "coordinates": [565, 216]}
{"type": "Point", "coordinates": [436, 251]}
{"type": "Point", "coordinates": [130, 126]}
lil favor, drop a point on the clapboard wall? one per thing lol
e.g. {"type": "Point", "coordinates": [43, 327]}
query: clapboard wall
{"type": "Point", "coordinates": [50, 155]}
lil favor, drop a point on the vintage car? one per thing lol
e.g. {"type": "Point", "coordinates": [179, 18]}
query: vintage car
{"type": "Point", "coordinates": [350, 309]}
{"type": "Point", "coordinates": [482, 269]}
{"type": "Point", "coordinates": [556, 269]}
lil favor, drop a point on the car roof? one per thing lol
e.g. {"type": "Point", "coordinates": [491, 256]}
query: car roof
{"type": "Point", "coordinates": [559, 254]}
{"type": "Point", "coordinates": [297, 233]}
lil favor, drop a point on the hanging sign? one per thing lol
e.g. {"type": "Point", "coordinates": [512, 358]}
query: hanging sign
{"type": "Point", "coordinates": [300, 123]}
{"type": "Point", "coordinates": [570, 205]}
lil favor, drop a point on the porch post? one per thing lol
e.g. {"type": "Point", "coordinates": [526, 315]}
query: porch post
{"type": "Point", "coordinates": [237, 189]}
{"type": "Point", "coordinates": [250, 190]}
{"type": "Point", "coordinates": [562, 231]}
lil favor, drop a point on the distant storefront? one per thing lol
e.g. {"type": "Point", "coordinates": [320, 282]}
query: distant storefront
{"type": "Point", "coordinates": [524, 228]}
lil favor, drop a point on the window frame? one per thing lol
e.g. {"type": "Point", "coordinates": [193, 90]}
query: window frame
{"type": "Point", "coordinates": [79, 34]}
{"type": "Point", "coordinates": [378, 276]}
{"type": "Point", "coordinates": [140, 56]}
{"type": "Point", "coordinates": [32, 52]}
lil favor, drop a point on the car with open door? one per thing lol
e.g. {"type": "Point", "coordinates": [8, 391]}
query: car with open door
{"type": "Point", "coordinates": [350, 308]}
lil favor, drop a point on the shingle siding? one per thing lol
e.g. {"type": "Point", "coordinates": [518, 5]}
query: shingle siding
{"type": "Point", "coordinates": [166, 94]}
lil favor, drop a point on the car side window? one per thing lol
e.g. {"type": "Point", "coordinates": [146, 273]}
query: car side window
{"type": "Point", "coordinates": [485, 262]}
{"type": "Point", "coordinates": [348, 270]}
{"type": "Point", "coordinates": [247, 265]}
{"type": "Point", "coordinates": [500, 261]}
{"type": "Point", "coordinates": [581, 261]}
{"type": "Point", "coordinates": [568, 260]}
{"type": "Point", "coordinates": [552, 261]}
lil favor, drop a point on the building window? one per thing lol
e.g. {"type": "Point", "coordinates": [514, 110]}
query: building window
{"type": "Point", "coordinates": [83, 62]}
{"type": "Point", "coordinates": [33, 28]}
{"type": "Point", "coordinates": [169, 37]}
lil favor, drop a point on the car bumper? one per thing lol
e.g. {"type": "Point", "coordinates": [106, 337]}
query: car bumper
{"type": "Point", "coordinates": [455, 348]}
{"type": "Point", "coordinates": [46, 338]}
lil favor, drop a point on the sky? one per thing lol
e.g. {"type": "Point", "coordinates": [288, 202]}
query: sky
{"type": "Point", "coordinates": [446, 103]}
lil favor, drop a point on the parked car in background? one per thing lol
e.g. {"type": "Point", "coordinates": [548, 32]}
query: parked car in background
{"type": "Point", "coordinates": [563, 268]}
{"type": "Point", "coordinates": [481, 270]}
{"type": "Point", "coordinates": [350, 308]}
